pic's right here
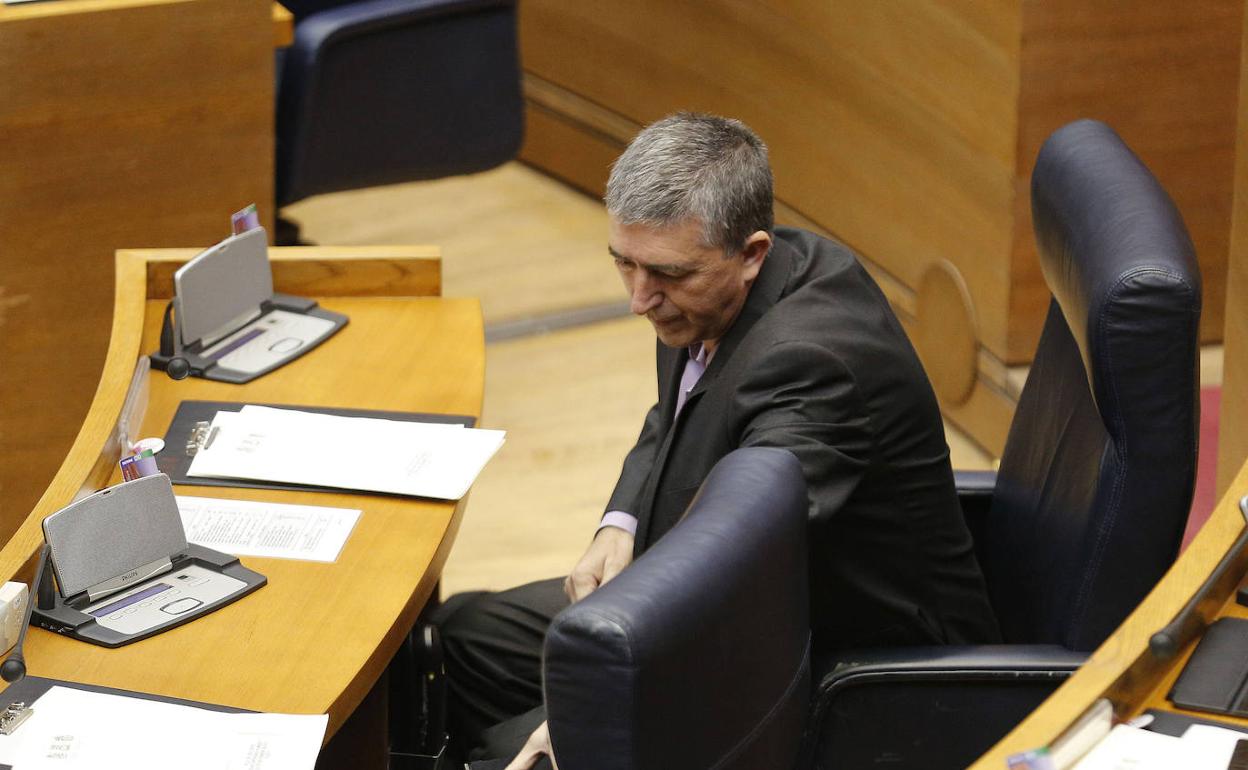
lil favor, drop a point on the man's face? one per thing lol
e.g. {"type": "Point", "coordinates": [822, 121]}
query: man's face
{"type": "Point", "coordinates": [690, 292]}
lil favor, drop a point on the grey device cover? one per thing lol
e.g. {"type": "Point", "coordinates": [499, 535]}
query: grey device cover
{"type": "Point", "coordinates": [222, 287]}
{"type": "Point", "coordinates": [112, 531]}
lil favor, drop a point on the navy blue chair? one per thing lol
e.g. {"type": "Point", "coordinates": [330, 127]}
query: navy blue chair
{"type": "Point", "coordinates": [1088, 508]}
{"type": "Point", "coordinates": [698, 655]}
{"type": "Point", "coordinates": [386, 91]}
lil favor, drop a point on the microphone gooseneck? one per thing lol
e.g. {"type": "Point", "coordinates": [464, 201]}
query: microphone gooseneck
{"type": "Point", "coordinates": [14, 668]}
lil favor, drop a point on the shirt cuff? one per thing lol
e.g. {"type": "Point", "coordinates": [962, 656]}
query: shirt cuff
{"type": "Point", "coordinates": [620, 520]}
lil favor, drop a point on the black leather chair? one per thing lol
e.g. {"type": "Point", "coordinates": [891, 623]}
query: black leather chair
{"type": "Point", "coordinates": [1088, 508]}
{"type": "Point", "coordinates": [387, 91]}
{"type": "Point", "coordinates": [698, 655]}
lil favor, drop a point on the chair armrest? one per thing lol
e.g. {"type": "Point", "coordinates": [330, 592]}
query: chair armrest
{"type": "Point", "coordinates": [926, 707]}
{"type": "Point", "coordinates": [975, 483]}
{"type": "Point", "coordinates": [975, 490]}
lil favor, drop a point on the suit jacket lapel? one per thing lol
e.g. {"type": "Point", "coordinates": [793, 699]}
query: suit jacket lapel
{"type": "Point", "coordinates": [766, 291]}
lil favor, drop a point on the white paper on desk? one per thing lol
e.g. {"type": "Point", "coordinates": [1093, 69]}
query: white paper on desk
{"type": "Point", "coordinates": [1210, 746]}
{"type": "Point", "coordinates": [1130, 748]}
{"type": "Point", "coordinates": [273, 530]}
{"type": "Point", "coordinates": [370, 454]}
{"type": "Point", "coordinates": [77, 729]}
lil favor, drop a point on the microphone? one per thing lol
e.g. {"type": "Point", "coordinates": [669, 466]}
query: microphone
{"type": "Point", "coordinates": [176, 366]}
{"type": "Point", "coordinates": [1191, 621]}
{"type": "Point", "coordinates": [14, 668]}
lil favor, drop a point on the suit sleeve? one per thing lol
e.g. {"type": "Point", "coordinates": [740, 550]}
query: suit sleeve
{"type": "Point", "coordinates": [802, 398]}
{"type": "Point", "coordinates": [637, 466]}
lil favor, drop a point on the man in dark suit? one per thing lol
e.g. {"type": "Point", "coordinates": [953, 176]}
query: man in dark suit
{"type": "Point", "coordinates": [766, 337]}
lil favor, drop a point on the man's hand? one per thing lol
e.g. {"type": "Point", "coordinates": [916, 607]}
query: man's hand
{"type": "Point", "coordinates": [535, 747]}
{"type": "Point", "coordinates": [611, 552]}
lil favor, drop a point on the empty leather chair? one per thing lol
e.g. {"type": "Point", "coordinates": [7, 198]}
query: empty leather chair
{"type": "Point", "coordinates": [697, 656]}
{"type": "Point", "coordinates": [387, 91]}
{"type": "Point", "coordinates": [1088, 508]}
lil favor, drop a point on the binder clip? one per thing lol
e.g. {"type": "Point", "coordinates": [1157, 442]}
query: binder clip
{"type": "Point", "coordinates": [13, 716]}
{"type": "Point", "coordinates": [197, 439]}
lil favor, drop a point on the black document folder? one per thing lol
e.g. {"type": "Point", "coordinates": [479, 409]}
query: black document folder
{"type": "Point", "coordinates": [1215, 678]}
{"type": "Point", "coordinates": [175, 460]}
{"type": "Point", "coordinates": [1170, 723]}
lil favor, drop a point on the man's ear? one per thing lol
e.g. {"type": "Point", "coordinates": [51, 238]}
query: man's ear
{"type": "Point", "coordinates": [756, 249]}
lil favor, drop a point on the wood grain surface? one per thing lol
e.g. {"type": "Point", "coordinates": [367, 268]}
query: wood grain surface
{"type": "Point", "coordinates": [122, 123]}
{"type": "Point", "coordinates": [318, 636]}
{"type": "Point", "coordinates": [1165, 76]}
{"type": "Point", "coordinates": [1233, 439]}
{"type": "Point", "coordinates": [891, 125]}
{"type": "Point", "coordinates": [909, 129]}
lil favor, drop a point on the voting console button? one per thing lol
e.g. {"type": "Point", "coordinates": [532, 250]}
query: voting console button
{"type": "Point", "coordinates": [285, 345]}
{"type": "Point", "coordinates": [181, 605]}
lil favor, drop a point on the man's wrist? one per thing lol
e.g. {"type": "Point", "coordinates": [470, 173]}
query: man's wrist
{"type": "Point", "coordinates": [619, 520]}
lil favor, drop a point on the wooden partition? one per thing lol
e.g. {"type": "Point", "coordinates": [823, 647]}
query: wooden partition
{"type": "Point", "coordinates": [122, 123]}
{"type": "Point", "coordinates": [908, 130]}
{"type": "Point", "coordinates": [1233, 437]}
{"type": "Point", "coordinates": [317, 638]}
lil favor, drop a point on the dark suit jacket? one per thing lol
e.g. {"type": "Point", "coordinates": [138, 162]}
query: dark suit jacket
{"type": "Point", "coordinates": [817, 363]}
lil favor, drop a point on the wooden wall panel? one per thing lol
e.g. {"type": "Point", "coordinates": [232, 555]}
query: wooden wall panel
{"type": "Point", "coordinates": [1164, 76]}
{"type": "Point", "coordinates": [891, 125]}
{"type": "Point", "coordinates": [1232, 438]}
{"type": "Point", "coordinates": [908, 130]}
{"type": "Point", "coordinates": [123, 123]}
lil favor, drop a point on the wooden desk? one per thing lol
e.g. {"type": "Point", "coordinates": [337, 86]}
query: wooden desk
{"type": "Point", "coordinates": [1122, 669]}
{"type": "Point", "coordinates": [122, 123]}
{"type": "Point", "coordinates": [318, 636]}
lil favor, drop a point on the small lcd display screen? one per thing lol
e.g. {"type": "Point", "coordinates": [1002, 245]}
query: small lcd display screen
{"type": "Point", "coordinates": [121, 604]}
{"type": "Point", "coordinates": [233, 345]}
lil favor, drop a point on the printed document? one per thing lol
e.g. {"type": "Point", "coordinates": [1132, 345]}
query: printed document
{"type": "Point", "coordinates": [361, 453]}
{"type": "Point", "coordinates": [72, 729]}
{"type": "Point", "coordinates": [276, 530]}
{"type": "Point", "coordinates": [1129, 748]}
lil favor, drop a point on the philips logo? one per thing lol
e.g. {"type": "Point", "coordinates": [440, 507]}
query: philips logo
{"type": "Point", "coordinates": [127, 577]}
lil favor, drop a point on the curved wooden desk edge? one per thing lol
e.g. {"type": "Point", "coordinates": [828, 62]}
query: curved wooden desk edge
{"type": "Point", "coordinates": [366, 271]}
{"type": "Point", "coordinates": [283, 26]}
{"type": "Point", "coordinates": [142, 274]}
{"type": "Point", "coordinates": [86, 463]}
{"type": "Point", "coordinates": [1122, 669]}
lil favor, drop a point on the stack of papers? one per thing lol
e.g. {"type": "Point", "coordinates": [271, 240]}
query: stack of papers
{"type": "Point", "coordinates": [360, 453]}
{"type": "Point", "coordinates": [72, 728]}
{"type": "Point", "coordinates": [1202, 747]}
{"type": "Point", "coordinates": [273, 530]}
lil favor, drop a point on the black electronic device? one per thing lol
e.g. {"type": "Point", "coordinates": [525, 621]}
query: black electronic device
{"type": "Point", "coordinates": [1215, 678]}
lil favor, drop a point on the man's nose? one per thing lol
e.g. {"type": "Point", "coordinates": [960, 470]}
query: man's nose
{"type": "Point", "coordinates": [645, 295]}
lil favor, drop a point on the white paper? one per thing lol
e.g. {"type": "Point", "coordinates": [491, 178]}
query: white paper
{"type": "Point", "coordinates": [275, 530]}
{"type": "Point", "coordinates": [1130, 748]}
{"type": "Point", "coordinates": [370, 454]}
{"type": "Point", "coordinates": [1209, 746]}
{"type": "Point", "coordinates": [77, 729]}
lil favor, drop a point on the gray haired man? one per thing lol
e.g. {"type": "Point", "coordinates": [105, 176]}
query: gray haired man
{"type": "Point", "coordinates": [766, 337]}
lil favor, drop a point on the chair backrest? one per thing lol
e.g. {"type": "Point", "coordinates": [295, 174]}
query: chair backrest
{"type": "Point", "coordinates": [698, 655]}
{"type": "Point", "coordinates": [387, 91]}
{"type": "Point", "coordinates": [1099, 468]}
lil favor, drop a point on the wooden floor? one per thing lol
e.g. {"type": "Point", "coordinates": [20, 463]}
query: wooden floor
{"type": "Point", "coordinates": [570, 397]}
